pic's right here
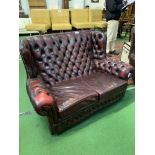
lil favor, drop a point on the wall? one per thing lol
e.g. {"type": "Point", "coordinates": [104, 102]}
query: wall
{"type": "Point", "coordinates": [51, 4]}
{"type": "Point", "coordinates": [99, 5]}
{"type": "Point", "coordinates": [57, 4]}
{"type": "Point", "coordinates": [25, 6]}
{"type": "Point", "coordinates": [54, 4]}
{"type": "Point", "coordinates": [76, 4]}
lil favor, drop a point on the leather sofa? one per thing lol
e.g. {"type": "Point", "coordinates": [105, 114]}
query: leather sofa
{"type": "Point", "coordinates": [132, 50]}
{"type": "Point", "coordinates": [69, 76]}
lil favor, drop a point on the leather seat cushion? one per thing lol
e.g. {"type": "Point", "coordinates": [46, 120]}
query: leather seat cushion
{"type": "Point", "coordinates": [72, 95]}
{"type": "Point", "coordinates": [105, 84]}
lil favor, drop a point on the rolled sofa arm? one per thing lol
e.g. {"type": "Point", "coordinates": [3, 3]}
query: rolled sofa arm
{"type": "Point", "coordinates": [41, 99]}
{"type": "Point", "coordinates": [117, 68]}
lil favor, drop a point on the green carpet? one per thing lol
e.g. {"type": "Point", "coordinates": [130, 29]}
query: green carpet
{"type": "Point", "coordinates": [109, 132]}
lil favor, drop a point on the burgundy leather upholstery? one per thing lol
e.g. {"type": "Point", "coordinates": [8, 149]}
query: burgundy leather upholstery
{"type": "Point", "coordinates": [95, 82]}
{"type": "Point", "coordinates": [72, 95]}
{"type": "Point", "coordinates": [132, 49]}
{"type": "Point", "coordinates": [69, 76]}
{"type": "Point", "coordinates": [117, 68]}
{"type": "Point", "coordinates": [63, 57]}
{"type": "Point", "coordinates": [40, 96]}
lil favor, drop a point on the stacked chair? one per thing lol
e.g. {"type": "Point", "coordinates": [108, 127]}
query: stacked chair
{"type": "Point", "coordinates": [80, 18]}
{"type": "Point", "coordinates": [95, 18]}
{"type": "Point", "coordinates": [40, 20]}
{"type": "Point", "coordinates": [60, 19]}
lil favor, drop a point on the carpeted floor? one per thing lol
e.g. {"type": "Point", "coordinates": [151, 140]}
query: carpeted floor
{"type": "Point", "coordinates": [109, 132]}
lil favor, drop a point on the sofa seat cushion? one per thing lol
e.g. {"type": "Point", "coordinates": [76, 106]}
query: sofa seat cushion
{"type": "Point", "coordinates": [81, 25]}
{"type": "Point", "coordinates": [61, 26]}
{"type": "Point", "coordinates": [72, 95]}
{"type": "Point", "coordinates": [105, 84]}
{"type": "Point", "coordinates": [38, 27]}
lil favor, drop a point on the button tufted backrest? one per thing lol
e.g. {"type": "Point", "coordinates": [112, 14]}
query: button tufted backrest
{"type": "Point", "coordinates": [65, 56]}
{"type": "Point", "coordinates": [99, 45]}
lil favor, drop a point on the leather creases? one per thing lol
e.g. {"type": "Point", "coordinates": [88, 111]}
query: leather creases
{"type": "Point", "coordinates": [41, 97]}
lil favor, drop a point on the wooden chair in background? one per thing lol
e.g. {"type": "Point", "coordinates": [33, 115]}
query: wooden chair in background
{"type": "Point", "coordinates": [127, 20]}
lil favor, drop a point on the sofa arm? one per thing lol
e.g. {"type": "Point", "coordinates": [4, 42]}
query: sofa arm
{"type": "Point", "coordinates": [117, 68]}
{"type": "Point", "coordinates": [42, 101]}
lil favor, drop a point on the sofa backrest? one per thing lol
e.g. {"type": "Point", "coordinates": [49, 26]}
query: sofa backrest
{"type": "Point", "coordinates": [62, 56]}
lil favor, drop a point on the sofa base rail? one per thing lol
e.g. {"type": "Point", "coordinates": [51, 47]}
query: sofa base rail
{"type": "Point", "coordinates": [81, 115]}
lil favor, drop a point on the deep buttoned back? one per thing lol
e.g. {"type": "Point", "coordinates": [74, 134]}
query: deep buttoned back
{"type": "Point", "coordinates": [63, 56]}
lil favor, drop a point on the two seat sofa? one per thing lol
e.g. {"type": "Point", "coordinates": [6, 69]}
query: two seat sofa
{"type": "Point", "coordinates": [132, 51]}
{"type": "Point", "coordinates": [69, 76]}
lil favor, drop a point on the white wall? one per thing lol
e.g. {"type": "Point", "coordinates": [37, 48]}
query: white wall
{"type": "Point", "coordinates": [54, 4]}
{"type": "Point", "coordinates": [51, 4]}
{"type": "Point", "coordinates": [99, 5]}
{"type": "Point", "coordinates": [76, 4]}
{"type": "Point", "coordinates": [57, 4]}
{"type": "Point", "coordinates": [25, 6]}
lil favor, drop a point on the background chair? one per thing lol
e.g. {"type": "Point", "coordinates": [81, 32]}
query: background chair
{"type": "Point", "coordinates": [40, 20]}
{"type": "Point", "coordinates": [80, 18]}
{"type": "Point", "coordinates": [60, 19]}
{"type": "Point", "coordinates": [96, 19]}
{"type": "Point", "coordinates": [126, 20]}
